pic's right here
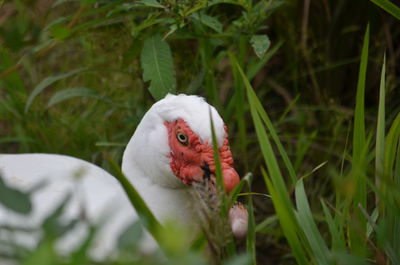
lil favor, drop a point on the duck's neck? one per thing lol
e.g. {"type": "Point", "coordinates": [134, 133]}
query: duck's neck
{"type": "Point", "coordinates": [166, 204]}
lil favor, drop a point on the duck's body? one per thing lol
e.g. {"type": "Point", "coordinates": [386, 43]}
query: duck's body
{"type": "Point", "coordinates": [95, 196]}
{"type": "Point", "coordinates": [159, 161]}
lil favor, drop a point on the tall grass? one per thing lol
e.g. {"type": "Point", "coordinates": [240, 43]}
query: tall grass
{"type": "Point", "coordinates": [77, 78]}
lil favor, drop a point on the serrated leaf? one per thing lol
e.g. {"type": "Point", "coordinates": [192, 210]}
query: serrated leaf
{"type": "Point", "coordinates": [157, 65]}
{"type": "Point", "coordinates": [260, 44]}
{"type": "Point", "coordinates": [209, 21]}
{"type": "Point", "coordinates": [69, 93]}
{"type": "Point", "coordinates": [46, 82]}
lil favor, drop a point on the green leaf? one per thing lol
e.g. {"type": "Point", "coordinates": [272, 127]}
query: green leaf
{"type": "Point", "coordinates": [48, 81]}
{"type": "Point", "coordinates": [338, 242]}
{"type": "Point", "coordinates": [14, 199]}
{"type": "Point", "coordinates": [277, 187]}
{"type": "Point", "coordinates": [157, 65]}
{"type": "Point", "coordinates": [306, 221]}
{"type": "Point", "coordinates": [209, 21]}
{"type": "Point", "coordinates": [260, 44]}
{"type": "Point", "coordinates": [257, 64]}
{"type": "Point", "coordinates": [388, 7]}
{"type": "Point", "coordinates": [59, 31]}
{"type": "Point", "coordinates": [44, 254]}
{"type": "Point", "coordinates": [146, 216]}
{"type": "Point", "coordinates": [380, 129]}
{"type": "Point", "coordinates": [130, 238]}
{"type": "Point", "coordinates": [152, 3]}
{"type": "Point", "coordinates": [357, 232]}
{"type": "Point", "coordinates": [66, 94]}
{"type": "Point", "coordinates": [285, 215]}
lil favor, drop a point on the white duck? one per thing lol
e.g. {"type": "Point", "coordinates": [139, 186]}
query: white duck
{"type": "Point", "coordinates": [170, 149]}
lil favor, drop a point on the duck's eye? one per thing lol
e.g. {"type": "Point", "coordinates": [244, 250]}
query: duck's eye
{"type": "Point", "coordinates": [182, 138]}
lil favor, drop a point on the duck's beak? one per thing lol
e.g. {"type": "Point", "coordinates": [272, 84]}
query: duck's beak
{"type": "Point", "coordinates": [229, 176]}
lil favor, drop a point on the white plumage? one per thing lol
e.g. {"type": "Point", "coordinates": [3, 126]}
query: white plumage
{"type": "Point", "coordinates": [97, 194]}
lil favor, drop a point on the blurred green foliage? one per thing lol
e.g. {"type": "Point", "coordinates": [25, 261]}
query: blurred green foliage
{"type": "Point", "coordinates": [76, 76]}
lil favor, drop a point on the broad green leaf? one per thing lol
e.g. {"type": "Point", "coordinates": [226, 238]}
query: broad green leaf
{"type": "Point", "coordinates": [209, 21]}
{"type": "Point", "coordinates": [69, 93]}
{"type": "Point", "coordinates": [48, 81]}
{"type": "Point", "coordinates": [14, 199]}
{"type": "Point", "coordinates": [388, 6]}
{"type": "Point", "coordinates": [157, 65]}
{"type": "Point", "coordinates": [260, 44]}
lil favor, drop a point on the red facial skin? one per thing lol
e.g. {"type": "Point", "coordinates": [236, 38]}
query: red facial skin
{"type": "Point", "coordinates": [188, 159]}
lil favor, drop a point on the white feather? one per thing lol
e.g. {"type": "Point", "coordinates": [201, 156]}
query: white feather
{"type": "Point", "coordinates": [97, 193]}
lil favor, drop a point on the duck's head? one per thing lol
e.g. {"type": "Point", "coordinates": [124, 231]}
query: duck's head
{"type": "Point", "coordinates": [172, 145]}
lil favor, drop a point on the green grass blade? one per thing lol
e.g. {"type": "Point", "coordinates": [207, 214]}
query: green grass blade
{"type": "Point", "coordinates": [235, 192]}
{"type": "Point", "coordinates": [251, 228]}
{"type": "Point", "coordinates": [285, 216]}
{"type": "Point", "coordinates": [48, 81]}
{"type": "Point", "coordinates": [276, 186]}
{"type": "Point", "coordinates": [238, 101]}
{"type": "Point", "coordinates": [307, 224]}
{"type": "Point", "coordinates": [255, 67]}
{"type": "Point", "coordinates": [380, 129]}
{"type": "Point", "coordinates": [145, 215]}
{"type": "Point", "coordinates": [392, 178]}
{"type": "Point", "coordinates": [388, 7]}
{"type": "Point", "coordinates": [357, 230]}
{"type": "Point", "coordinates": [220, 185]}
{"type": "Point", "coordinates": [392, 140]}
{"type": "Point", "coordinates": [338, 242]}
{"type": "Point", "coordinates": [70, 93]}
{"type": "Point", "coordinates": [255, 102]}
{"type": "Point", "coordinates": [217, 158]}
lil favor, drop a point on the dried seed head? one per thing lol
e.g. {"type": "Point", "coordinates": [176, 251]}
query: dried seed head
{"type": "Point", "coordinates": [238, 220]}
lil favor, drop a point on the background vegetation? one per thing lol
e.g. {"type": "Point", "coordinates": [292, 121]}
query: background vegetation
{"type": "Point", "coordinates": [311, 106]}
